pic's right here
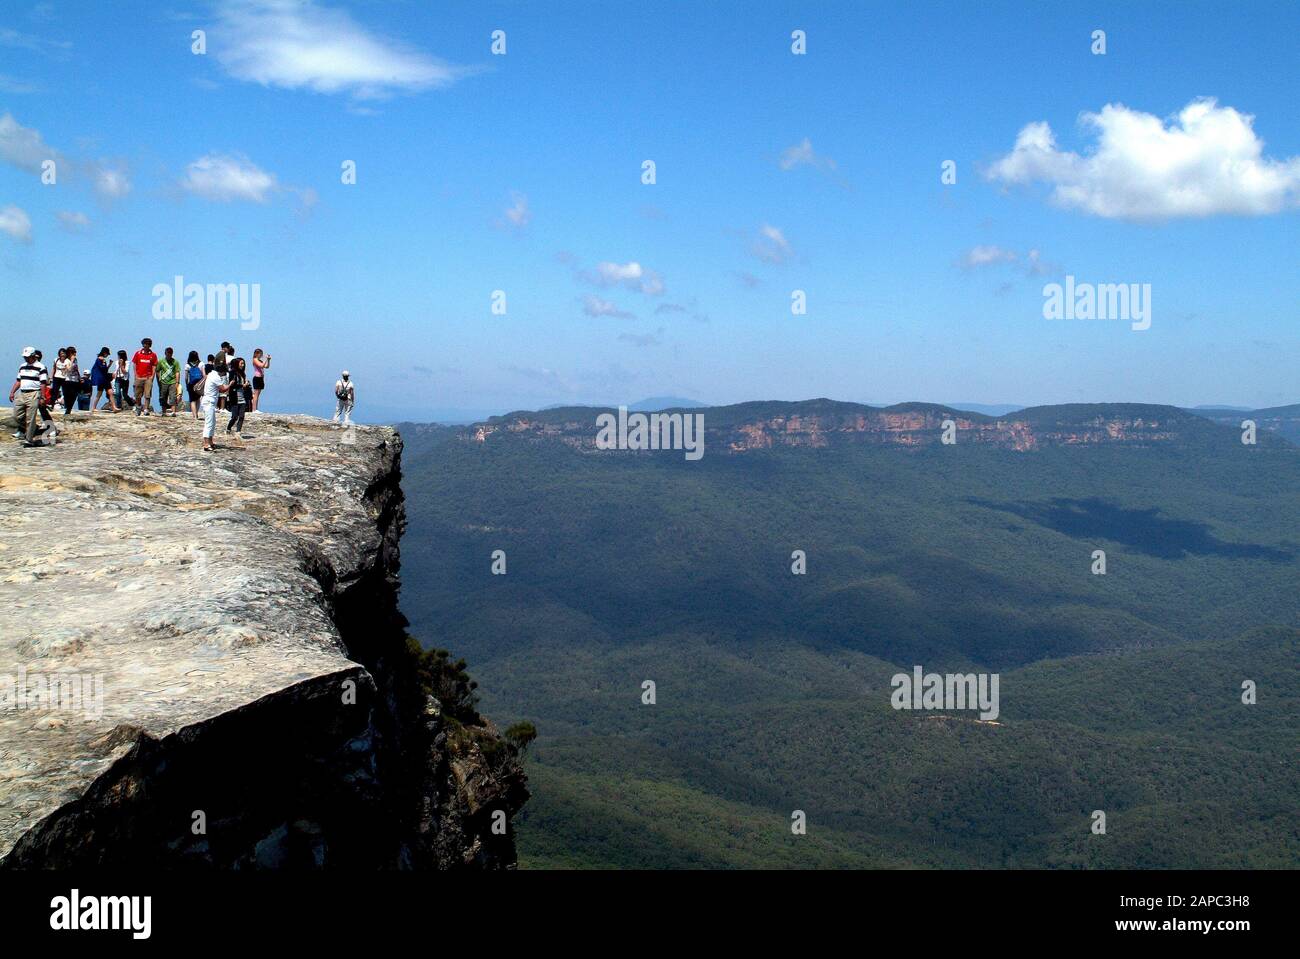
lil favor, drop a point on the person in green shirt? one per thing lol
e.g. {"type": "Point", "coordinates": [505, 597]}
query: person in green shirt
{"type": "Point", "coordinates": [169, 382]}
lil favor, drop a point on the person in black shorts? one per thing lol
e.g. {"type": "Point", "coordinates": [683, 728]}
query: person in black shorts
{"type": "Point", "coordinates": [261, 363]}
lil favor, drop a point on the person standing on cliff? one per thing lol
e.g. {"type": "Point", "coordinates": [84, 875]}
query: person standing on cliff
{"type": "Point", "coordinates": [169, 372]}
{"type": "Point", "coordinates": [145, 362]}
{"type": "Point", "coordinates": [214, 387]}
{"type": "Point", "coordinates": [101, 379]}
{"type": "Point", "coordinates": [260, 365]}
{"type": "Point", "coordinates": [32, 378]}
{"type": "Point", "coordinates": [122, 381]}
{"type": "Point", "coordinates": [224, 358]}
{"type": "Point", "coordinates": [345, 392]}
{"type": "Point", "coordinates": [57, 374]}
{"type": "Point", "coordinates": [237, 384]}
{"type": "Point", "coordinates": [194, 381]}
{"type": "Point", "coordinates": [71, 380]}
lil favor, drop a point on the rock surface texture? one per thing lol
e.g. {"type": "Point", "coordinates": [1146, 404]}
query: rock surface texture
{"type": "Point", "coordinates": [202, 660]}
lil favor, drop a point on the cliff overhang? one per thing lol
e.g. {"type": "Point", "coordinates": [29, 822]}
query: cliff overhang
{"type": "Point", "coordinates": [202, 661]}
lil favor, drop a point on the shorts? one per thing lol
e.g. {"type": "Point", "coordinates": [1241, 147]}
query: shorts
{"type": "Point", "coordinates": [259, 382]}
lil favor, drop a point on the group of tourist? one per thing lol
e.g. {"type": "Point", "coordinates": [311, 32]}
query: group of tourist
{"type": "Point", "coordinates": [224, 382]}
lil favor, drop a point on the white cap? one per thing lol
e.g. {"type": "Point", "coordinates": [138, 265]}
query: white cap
{"type": "Point", "coordinates": [345, 372]}
{"type": "Point", "coordinates": [29, 351]}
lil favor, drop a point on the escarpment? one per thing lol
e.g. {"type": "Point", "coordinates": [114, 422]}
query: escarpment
{"type": "Point", "coordinates": [202, 661]}
{"type": "Point", "coordinates": [746, 427]}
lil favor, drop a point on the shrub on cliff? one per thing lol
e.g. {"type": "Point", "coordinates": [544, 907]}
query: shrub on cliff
{"type": "Point", "coordinates": [521, 734]}
{"type": "Point", "coordinates": [446, 680]}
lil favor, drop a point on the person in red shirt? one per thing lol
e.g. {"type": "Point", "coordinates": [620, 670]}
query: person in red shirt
{"type": "Point", "coordinates": [145, 362]}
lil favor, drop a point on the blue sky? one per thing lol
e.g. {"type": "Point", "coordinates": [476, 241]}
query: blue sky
{"type": "Point", "coordinates": [775, 172]}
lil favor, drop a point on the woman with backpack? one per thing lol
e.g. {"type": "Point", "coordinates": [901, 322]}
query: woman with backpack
{"type": "Point", "coordinates": [194, 381]}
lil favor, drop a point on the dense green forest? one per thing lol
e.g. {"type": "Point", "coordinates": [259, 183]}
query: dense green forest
{"type": "Point", "coordinates": [1120, 692]}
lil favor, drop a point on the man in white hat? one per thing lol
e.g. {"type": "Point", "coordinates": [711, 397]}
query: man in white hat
{"type": "Point", "coordinates": [32, 378]}
{"type": "Point", "coordinates": [346, 394]}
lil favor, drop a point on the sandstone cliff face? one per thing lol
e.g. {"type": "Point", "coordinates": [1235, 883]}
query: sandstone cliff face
{"type": "Point", "coordinates": [237, 612]}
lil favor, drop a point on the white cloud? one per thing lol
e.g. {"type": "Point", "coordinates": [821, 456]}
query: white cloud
{"type": "Point", "coordinates": [1035, 265]}
{"type": "Point", "coordinates": [1032, 263]}
{"type": "Point", "coordinates": [978, 256]}
{"type": "Point", "coordinates": [594, 305]}
{"type": "Point", "coordinates": [16, 223]}
{"type": "Point", "coordinates": [23, 146]}
{"type": "Point", "coordinates": [518, 214]}
{"type": "Point", "coordinates": [802, 154]}
{"type": "Point", "coordinates": [300, 44]}
{"type": "Point", "coordinates": [1206, 161]}
{"type": "Point", "coordinates": [111, 183]}
{"type": "Point", "coordinates": [73, 221]}
{"type": "Point", "coordinates": [771, 246]}
{"type": "Point", "coordinates": [631, 275]}
{"type": "Point", "coordinates": [225, 178]}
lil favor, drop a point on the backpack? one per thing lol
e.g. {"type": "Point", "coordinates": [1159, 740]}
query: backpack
{"type": "Point", "coordinates": [192, 375]}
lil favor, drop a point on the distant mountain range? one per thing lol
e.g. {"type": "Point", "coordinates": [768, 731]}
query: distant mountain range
{"type": "Point", "coordinates": [824, 422]}
{"type": "Point", "coordinates": [1283, 420]}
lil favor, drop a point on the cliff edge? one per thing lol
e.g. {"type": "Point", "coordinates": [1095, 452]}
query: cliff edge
{"type": "Point", "coordinates": [202, 660]}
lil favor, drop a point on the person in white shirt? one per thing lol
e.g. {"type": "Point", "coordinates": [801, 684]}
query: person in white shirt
{"type": "Point", "coordinates": [214, 387]}
{"type": "Point", "coordinates": [345, 392]}
{"type": "Point", "coordinates": [27, 388]}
